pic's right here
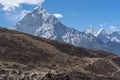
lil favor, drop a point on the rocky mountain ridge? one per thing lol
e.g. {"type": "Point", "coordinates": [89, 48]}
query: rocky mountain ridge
{"type": "Point", "coordinates": [40, 23]}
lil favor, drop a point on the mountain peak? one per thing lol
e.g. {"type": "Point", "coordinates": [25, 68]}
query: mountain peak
{"type": "Point", "coordinates": [39, 7]}
{"type": "Point", "coordinates": [40, 10]}
{"type": "Point", "coordinates": [102, 31]}
{"type": "Point", "coordinates": [90, 30]}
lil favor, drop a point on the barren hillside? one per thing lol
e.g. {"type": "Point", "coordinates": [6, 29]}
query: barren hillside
{"type": "Point", "coordinates": [27, 57]}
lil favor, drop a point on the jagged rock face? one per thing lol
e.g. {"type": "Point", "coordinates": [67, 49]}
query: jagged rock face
{"type": "Point", "coordinates": [27, 57]}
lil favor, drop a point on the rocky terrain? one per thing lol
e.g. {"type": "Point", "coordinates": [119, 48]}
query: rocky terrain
{"type": "Point", "coordinates": [27, 57]}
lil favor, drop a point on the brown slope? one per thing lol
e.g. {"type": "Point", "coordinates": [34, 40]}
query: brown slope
{"type": "Point", "coordinates": [25, 52]}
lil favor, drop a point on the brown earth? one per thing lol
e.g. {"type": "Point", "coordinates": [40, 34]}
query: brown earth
{"type": "Point", "coordinates": [27, 57]}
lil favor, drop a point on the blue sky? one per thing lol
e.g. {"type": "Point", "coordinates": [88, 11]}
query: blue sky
{"type": "Point", "coordinates": [78, 14]}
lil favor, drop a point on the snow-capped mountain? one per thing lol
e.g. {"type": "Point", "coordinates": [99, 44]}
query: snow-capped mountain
{"type": "Point", "coordinates": [115, 36]}
{"type": "Point", "coordinates": [103, 35]}
{"type": "Point", "coordinates": [107, 36]}
{"type": "Point", "coordinates": [90, 30]}
{"type": "Point", "coordinates": [40, 23]}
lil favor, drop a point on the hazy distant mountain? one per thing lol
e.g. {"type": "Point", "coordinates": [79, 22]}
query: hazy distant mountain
{"type": "Point", "coordinates": [40, 23]}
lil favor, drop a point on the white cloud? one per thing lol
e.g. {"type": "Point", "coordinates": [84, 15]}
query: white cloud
{"type": "Point", "coordinates": [103, 25]}
{"type": "Point", "coordinates": [9, 5]}
{"type": "Point", "coordinates": [57, 15]}
{"type": "Point", "coordinates": [114, 28]}
{"type": "Point", "coordinates": [15, 16]}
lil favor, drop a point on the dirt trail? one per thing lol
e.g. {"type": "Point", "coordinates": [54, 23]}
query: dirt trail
{"type": "Point", "coordinates": [118, 68]}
